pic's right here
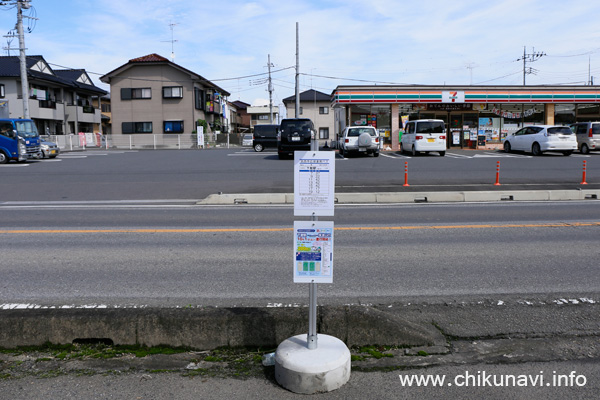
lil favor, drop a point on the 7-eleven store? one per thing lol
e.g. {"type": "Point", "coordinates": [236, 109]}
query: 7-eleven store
{"type": "Point", "coordinates": [475, 116]}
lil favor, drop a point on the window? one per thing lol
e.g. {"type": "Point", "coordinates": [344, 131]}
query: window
{"type": "Point", "coordinates": [105, 107]}
{"type": "Point", "coordinates": [263, 117]}
{"type": "Point", "coordinates": [173, 126]}
{"type": "Point", "coordinates": [170, 92]}
{"type": "Point", "coordinates": [323, 110]}
{"type": "Point", "coordinates": [199, 100]}
{"type": "Point", "coordinates": [1, 91]}
{"type": "Point", "coordinates": [138, 93]}
{"type": "Point", "coordinates": [137, 127]}
{"type": "Point", "coordinates": [324, 133]}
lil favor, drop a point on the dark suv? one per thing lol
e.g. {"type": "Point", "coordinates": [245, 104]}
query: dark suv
{"type": "Point", "coordinates": [294, 134]}
{"type": "Point", "coordinates": [265, 136]}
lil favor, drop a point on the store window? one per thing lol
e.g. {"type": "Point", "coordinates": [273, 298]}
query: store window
{"type": "Point", "coordinates": [588, 112]}
{"type": "Point", "coordinates": [378, 116]}
{"type": "Point", "coordinates": [564, 114]}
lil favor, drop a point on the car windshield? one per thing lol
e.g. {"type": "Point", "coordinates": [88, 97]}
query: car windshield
{"type": "Point", "coordinates": [355, 132]}
{"type": "Point", "coordinates": [430, 127]}
{"type": "Point", "coordinates": [563, 130]}
{"type": "Point", "coordinates": [295, 126]}
{"type": "Point", "coordinates": [26, 129]}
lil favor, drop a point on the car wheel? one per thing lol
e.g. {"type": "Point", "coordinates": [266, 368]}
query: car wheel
{"type": "Point", "coordinates": [442, 153]}
{"type": "Point", "coordinates": [3, 158]}
{"type": "Point", "coordinates": [506, 147]}
{"type": "Point", "coordinates": [585, 149]}
{"type": "Point", "coordinates": [281, 156]}
{"type": "Point", "coordinates": [414, 151]}
{"type": "Point", "coordinates": [52, 157]}
{"type": "Point", "coordinates": [258, 147]}
{"type": "Point", "coordinates": [567, 153]}
{"type": "Point", "coordinates": [401, 149]}
{"type": "Point", "coordinates": [376, 154]}
{"type": "Point", "coordinates": [536, 150]}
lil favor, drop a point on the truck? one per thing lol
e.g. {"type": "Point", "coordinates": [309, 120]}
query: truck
{"type": "Point", "coordinates": [19, 140]}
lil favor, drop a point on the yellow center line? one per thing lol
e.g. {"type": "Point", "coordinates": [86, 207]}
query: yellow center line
{"type": "Point", "coordinates": [357, 228]}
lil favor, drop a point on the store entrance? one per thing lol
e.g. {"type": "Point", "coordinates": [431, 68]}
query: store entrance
{"type": "Point", "coordinates": [455, 131]}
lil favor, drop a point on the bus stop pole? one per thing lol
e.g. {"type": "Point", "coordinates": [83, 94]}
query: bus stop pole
{"type": "Point", "coordinates": [312, 288]}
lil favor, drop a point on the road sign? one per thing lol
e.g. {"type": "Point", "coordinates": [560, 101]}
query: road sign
{"type": "Point", "coordinates": [314, 183]}
{"type": "Point", "coordinates": [313, 251]}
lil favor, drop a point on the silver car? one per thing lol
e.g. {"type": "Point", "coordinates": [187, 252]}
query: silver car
{"type": "Point", "coordinates": [588, 136]}
{"type": "Point", "coordinates": [359, 139]}
{"type": "Point", "coordinates": [49, 149]}
{"type": "Point", "coordinates": [247, 140]}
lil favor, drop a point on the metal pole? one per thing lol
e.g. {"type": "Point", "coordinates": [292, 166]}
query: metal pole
{"type": "Point", "coordinates": [297, 72]}
{"type": "Point", "coordinates": [270, 92]}
{"type": "Point", "coordinates": [23, 61]}
{"type": "Point", "coordinates": [312, 341]}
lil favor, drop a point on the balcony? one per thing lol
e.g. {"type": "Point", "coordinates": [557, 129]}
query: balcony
{"type": "Point", "coordinates": [87, 114]}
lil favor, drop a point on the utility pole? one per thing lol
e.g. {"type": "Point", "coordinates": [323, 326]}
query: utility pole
{"type": "Point", "coordinates": [269, 65]}
{"type": "Point", "coordinates": [529, 58]}
{"type": "Point", "coordinates": [22, 5]}
{"type": "Point", "coordinates": [297, 71]}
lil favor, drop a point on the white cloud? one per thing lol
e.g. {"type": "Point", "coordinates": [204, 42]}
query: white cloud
{"type": "Point", "coordinates": [429, 42]}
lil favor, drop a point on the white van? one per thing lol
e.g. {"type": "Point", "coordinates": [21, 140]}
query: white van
{"type": "Point", "coordinates": [424, 135]}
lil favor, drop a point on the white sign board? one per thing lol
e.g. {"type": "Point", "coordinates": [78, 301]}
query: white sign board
{"type": "Point", "coordinates": [313, 251]}
{"type": "Point", "coordinates": [314, 183]}
{"type": "Point", "coordinates": [200, 130]}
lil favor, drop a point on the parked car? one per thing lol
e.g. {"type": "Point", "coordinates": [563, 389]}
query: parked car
{"type": "Point", "coordinates": [588, 136]}
{"type": "Point", "coordinates": [265, 136]}
{"type": "Point", "coordinates": [247, 140]}
{"type": "Point", "coordinates": [424, 135]}
{"type": "Point", "coordinates": [359, 139]}
{"type": "Point", "coordinates": [294, 134]}
{"type": "Point", "coordinates": [540, 138]}
{"type": "Point", "coordinates": [49, 149]}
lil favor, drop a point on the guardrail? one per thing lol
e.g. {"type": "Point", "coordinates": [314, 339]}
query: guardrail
{"type": "Point", "coordinates": [140, 141]}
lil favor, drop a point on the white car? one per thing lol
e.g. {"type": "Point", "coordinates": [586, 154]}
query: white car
{"type": "Point", "coordinates": [247, 140]}
{"type": "Point", "coordinates": [424, 135]}
{"type": "Point", "coordinates": [359, 139]}
{"type": "Point", "coordinates": [540, 138]}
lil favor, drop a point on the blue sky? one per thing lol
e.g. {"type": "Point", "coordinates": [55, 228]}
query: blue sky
{"type": "Point", "coordinates": [342, 42]}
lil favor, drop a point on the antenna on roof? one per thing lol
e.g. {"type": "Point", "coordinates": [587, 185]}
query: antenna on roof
{"type": "Point", "coordinates": [172, 41]}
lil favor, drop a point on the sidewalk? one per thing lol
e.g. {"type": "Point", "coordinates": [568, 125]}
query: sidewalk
{"type": "Point", "coordinates": [535, 337]}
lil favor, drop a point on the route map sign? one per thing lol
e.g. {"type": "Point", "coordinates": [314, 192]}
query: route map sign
{"type": "Point", "coordinates": [314, 183]}
{"type": "Point", "coordinates": [313, 251]}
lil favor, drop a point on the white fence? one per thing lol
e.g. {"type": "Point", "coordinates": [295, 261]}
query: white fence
{"type": "Point", "coordinates": [140, 141]}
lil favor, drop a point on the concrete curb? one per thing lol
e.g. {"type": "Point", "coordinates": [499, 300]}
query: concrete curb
{"type": "Point", "coordinates": [209, 328]}
{"type": "Point", "coordinates": [410, 197]}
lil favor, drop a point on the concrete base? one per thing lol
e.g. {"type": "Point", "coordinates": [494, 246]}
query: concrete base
{"type": "Point", "coordinates": [323, 369]}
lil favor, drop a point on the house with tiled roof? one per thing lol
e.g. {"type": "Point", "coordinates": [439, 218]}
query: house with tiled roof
{"type": "Point", "coordinates": [152, 94]}
{"type": "Point", "coordinates": [60, 101]}
{"type": "Point", "coordinates": [316, 106]}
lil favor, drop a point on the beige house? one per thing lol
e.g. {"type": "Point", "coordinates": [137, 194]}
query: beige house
{"type": "Point", "coordinates": [316, 106]}
{"type": "Point", "coordinates": [261, 115]}
{"type": "Point", "coordinates": [151, 94]}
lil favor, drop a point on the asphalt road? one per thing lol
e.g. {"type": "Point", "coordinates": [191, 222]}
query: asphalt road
{"type": "Point", "coordinates": [195, 174]}
{"type": "Point", "coordinates": [243, 255]}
